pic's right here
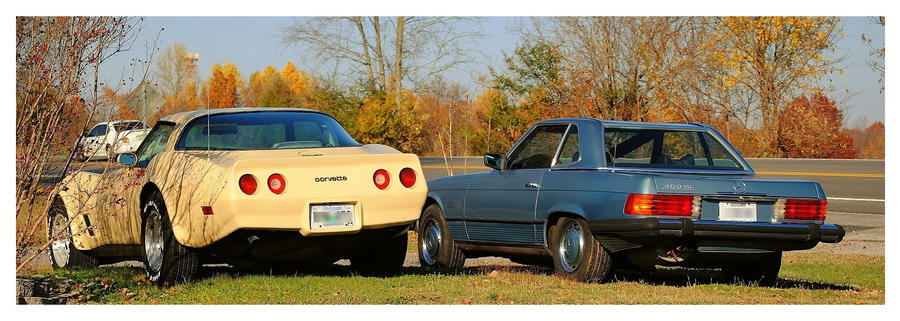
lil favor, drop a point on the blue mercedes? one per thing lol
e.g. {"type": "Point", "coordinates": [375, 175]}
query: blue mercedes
{"type": "Point", "coordinates": [588, 196]}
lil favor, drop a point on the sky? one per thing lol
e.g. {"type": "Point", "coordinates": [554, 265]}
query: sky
{"type": "Point", "coordinates": [252, 43]}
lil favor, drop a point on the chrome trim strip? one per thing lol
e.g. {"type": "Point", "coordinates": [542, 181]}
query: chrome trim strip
{"type": "Point", "coordinates": [661, 170]}
{"type": "Point", "coordinates": [559, 146]}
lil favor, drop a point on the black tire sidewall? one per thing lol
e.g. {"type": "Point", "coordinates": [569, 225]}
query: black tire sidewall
{"type": "Point", "coordinates": [434, 212]}
{"type": "Point", "coordinates": [154, 201]}
{"type": "Point", "coordinates": [583, 271]}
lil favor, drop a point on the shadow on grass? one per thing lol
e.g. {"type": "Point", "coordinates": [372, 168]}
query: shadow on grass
{"type": "Point", "coordinates": [664, 276]}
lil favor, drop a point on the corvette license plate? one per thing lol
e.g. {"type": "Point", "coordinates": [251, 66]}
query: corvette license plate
{"type": "Point", "coordinates": [737, 211]}
{"type": "Point", "coordinates": [331, 215]}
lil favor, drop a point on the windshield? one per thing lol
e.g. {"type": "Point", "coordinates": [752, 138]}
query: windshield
{"type": "Point", "coordinates": [264, 130]}
{"type": "Point", "coordinates": [658, 148]}
{"type": "Point", "coordinates": [131, 125]}
{"type": "Point", "coordinates": [98, 130]}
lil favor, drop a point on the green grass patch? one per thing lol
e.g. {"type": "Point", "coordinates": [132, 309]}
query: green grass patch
{"type": "Point", "coordinates": [806, 278]}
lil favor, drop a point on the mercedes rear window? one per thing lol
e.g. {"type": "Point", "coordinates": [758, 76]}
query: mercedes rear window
{"type": "Point", "coordinates": [664, 148]}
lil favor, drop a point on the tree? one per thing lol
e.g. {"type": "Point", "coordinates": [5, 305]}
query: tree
{"type": "Point", "coordinates": [811, 128]}
{"type": "Point", "coordinates": [386, 50]}
{"type": "Point", "coordinates": [393, 121]}
{"type": "Point", "coordinates": [298, 81]}
{"type": "Point", "coordinates": [278, 93]}
{"type": "Point", "coordinates": [57, 91]}
{"type": "Point", "coordinates": [773, 58]}
{"type": "Point", "coordinates": [877, 53]}
{"type": "Point", "coordinates": [873, 142]}
{"type": "Point", "coordinates": [110, 97]}
{"type": "Point", "coordinates": [175, 72]}
{"type": "Point", "coordinates": [221, 88]}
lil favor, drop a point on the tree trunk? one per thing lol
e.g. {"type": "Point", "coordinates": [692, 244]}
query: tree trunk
{"type": "Point", "coordinates": [396, 75]}
{"type": "Point", "coordinates": [365, 44]}
{"type": "Point", "coordinates": [379, 51]}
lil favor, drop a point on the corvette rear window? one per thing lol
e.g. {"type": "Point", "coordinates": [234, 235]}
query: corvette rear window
{"type": "Point", "coordinates": [667, 149]}
{"type": "Point", "coordinates": [264, 130]}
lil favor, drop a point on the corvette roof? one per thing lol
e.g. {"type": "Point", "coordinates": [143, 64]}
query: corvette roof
{"type": "Point", "coordinates": [186, 116]}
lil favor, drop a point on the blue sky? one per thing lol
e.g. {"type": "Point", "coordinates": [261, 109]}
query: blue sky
{"type": "Point", "coordinates": [252, 43]}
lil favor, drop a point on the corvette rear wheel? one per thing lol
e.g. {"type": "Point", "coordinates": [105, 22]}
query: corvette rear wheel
{"type": "Point", "coordinates": [63, 254]}
{"type": "Point", "coordinates": [381, 257]}
{"type": "Point", "coordinates": [166, 261]}
{"type": "Point", "coordinates": [763, 271]}
{"type": "Point", "coordinates": [436, 247]}
{"type": "Point", "coordinates": [576, 254]}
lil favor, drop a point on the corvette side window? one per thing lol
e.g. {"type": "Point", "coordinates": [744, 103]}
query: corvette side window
{"type": "Point", "coordinates": [155, 143]}
{"type": "Point", "coordinates": [538, 149]}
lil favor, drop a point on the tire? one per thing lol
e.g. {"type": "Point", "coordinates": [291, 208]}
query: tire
{"type": "Point", "coordinates": [63, 254]}
{"type": "Point", "coordinates": [166, 262]}
{"type": "Point", "coordinates": [577, 255]}
{"type": "Point", "coordinates": [762, 271]}
{"type": "Point", "coordinates": [436, 247]}
{"type": "Point", "coordinates": [381, 258]}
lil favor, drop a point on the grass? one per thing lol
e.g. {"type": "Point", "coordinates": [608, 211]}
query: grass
{"type": "Point", "coordinates": [806, 278]}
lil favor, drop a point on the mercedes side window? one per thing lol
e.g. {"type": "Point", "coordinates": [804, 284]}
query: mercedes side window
{"type": "Point", "coordinates": [538, 149]}
{"type": "Point", "coordinates": [569, 152]}
{"type": "Point", "coordinates": [155, 143]}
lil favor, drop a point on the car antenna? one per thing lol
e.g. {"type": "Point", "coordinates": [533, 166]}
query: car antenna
{"type": "Point", "coordinates": [208, 131]}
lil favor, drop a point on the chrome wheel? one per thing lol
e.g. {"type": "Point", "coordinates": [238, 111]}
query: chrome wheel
{"type": "Point", "coordinates": [431, 242]}
{"type": "Point", "coordinates": [60, 248]}
{"type": "Point", "coordinates": [571, 246]}
{"type": "Point", "coordinates": [153, 240]}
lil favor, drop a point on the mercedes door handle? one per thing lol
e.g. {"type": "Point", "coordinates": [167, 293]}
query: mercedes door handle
{"type": "Point", "coordinates": [532, 185]}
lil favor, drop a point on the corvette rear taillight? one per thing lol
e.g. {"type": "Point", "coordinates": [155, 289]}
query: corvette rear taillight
{"type": "Point", "coordinates": [408, 177]}
{"type": "Point", "coordinates": [276, 183]}
{"type": "Point", "coordinates": [381, 179]}
{"type": "Point", "coordinates": [670, 205]}
{"type": "Point", "coordinates": [794, 209]}
{"type": "Point", "coordinates": [247, 183]}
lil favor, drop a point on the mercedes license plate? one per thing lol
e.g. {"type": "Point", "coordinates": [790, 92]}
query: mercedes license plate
{"type": "Point", "coordinates": [737, 211]}
{"type": "Point", "coordinates": [331, 215]}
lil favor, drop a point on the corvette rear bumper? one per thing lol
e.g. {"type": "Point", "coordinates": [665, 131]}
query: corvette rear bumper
{"type": "Point", "coordinates": [630, 233]}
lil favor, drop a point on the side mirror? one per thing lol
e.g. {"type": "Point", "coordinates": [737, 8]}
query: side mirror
{"type": "Point", "coordinates": [494, 161]}
{"type": "Point", "coordinates": [127, 159]}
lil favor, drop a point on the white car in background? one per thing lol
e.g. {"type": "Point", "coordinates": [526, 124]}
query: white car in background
{"type": "Point", "coordinates": [108, 139]}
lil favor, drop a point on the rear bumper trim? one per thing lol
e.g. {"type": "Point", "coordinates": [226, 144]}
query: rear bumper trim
{"type": "Point", "coordinates": [687, 229]}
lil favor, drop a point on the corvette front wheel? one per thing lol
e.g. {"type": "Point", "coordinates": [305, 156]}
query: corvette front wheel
{"type": "Point", "coordinates": [166, 261]}
{"type": "Point", "coordinates": [577, 255]}
{"type": "Point", "coordinates": [63, 254]}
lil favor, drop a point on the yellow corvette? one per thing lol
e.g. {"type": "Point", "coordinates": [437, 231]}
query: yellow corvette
{"type": "Point", "coordinates": [251, 187]}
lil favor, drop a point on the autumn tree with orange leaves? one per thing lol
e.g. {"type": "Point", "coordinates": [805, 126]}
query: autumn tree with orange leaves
{"type": "Point", "coordinates": [811, 128]}
{"type": "Point", "coordinates": [221, 87]}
